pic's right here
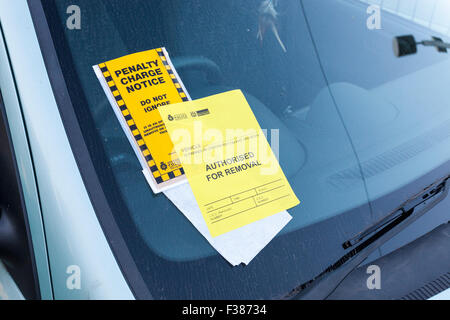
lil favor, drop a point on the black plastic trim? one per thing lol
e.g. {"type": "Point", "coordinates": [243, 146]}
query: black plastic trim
{"type": "Point", "coordinates": [417, 271]}
{"type": "Point", "coordinates": [322, 286]}
{"type": "Point", "coordinates": [431, 289]}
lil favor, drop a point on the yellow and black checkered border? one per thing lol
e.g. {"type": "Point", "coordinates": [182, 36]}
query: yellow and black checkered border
{"type": "Point", "coordinates": [159, 178]}
{"type": "Point", "coordinates": [172, 74]}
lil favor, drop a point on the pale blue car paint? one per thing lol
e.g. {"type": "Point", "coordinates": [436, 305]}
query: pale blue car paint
{"type": "Point", "coordinates": [56, 201]}
{"type": "Point", "coordinates": [442, 296]}
{"type": "Point", "coordinates": [25, 170]}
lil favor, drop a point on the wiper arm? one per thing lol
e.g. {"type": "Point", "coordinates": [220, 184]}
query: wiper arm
{"type": "Point", "coordinates": [428, 193]}
{"type": "Point", "coordinates": [370, 239]}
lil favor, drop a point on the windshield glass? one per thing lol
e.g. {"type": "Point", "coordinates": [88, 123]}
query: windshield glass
{"type": "Point", "coordinates": [396, 110]}
{"type": "Point", "coordinates": [311, 104]}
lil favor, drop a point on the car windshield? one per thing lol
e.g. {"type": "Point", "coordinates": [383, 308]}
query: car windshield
{"type": "Point", "coordinates": [353, 123]}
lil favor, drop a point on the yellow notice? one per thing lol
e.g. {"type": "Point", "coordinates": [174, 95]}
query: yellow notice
{"type": "Point", "coordinates": [233, 173]}
{"type": "Point", "coordinates": [137, 86]}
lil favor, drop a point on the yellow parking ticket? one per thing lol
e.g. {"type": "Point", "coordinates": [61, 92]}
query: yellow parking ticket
{"type": "Point", "coordinates": [234, 175]}
{"type": "Point", "coordinates": [137, 85]}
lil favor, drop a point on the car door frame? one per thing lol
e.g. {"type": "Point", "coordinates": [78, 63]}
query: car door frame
{"type": "Point", "coordinates": [25, 171]}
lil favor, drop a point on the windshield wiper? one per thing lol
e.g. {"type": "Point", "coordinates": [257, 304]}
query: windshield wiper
{"type": "Point", "coordinates": [425, 196]}
{"type": "Point", "coordinates": [370, 239]}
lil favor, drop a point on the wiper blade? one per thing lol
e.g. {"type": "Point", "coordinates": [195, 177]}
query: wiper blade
{"type": "Point", "coordinates": [369, 240]}
{"type": "Point", "coordinates": [424, 196]}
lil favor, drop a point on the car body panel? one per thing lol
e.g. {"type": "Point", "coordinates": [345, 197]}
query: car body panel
{"type": "Point", "coordinates": [442, 296]}
{"type": "Point", "coordinates": [73, 233]}
{"type": "Point", "coordinates": [25, 168]}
